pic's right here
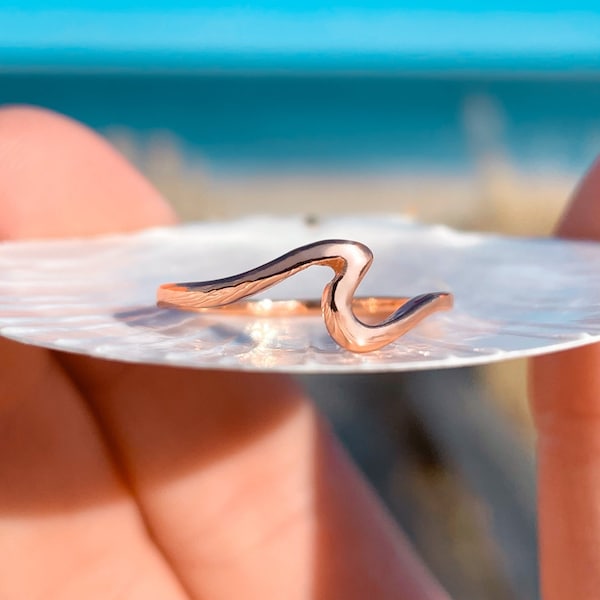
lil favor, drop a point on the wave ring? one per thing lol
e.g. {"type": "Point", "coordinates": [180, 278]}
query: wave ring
{"type": "Point", "coordinates": [382, 319]}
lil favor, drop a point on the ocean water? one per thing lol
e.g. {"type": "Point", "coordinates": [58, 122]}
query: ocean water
{"type": "Point", "coordinates": [246, 123]}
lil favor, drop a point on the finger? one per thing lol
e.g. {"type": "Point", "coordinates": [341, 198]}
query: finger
{"type": "Point", "coordinates": [565, 398]}
{"type": "Point", "coordinates": [61, 179]}
{"type": "Point", "coordinates": [240, 484]}
{"type": "Point", "coordinates": [247, 491]}
{"type": "Point", "coordinates": [581, 219]}
{"type": "Point", "coordinates": [68, 526]}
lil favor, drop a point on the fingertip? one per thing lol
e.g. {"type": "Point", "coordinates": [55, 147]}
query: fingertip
{"type": "Point", "coordinates": [59, 178]}
{"type": "Point", "coordinates": [565, 400]}
{"type": "Point", "coordinates": [566, 383]}
{"type": "Point", "coordinates": [582, 217]}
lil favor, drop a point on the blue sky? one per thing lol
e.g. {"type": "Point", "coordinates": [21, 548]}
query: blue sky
{"type": "Point", "coordinates": [473, 6]}
{"type": "Point", "coordinates": [339, 30]}
{"type": "Point", "coordinates": [111, 32]}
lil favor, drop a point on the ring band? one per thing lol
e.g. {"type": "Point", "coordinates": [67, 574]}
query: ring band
{"type": "Point", "coordinates": [370, 308]}
{"type": "Point", "coordinates": [350, 262]}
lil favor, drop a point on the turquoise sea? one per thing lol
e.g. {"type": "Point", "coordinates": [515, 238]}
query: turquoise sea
{"type": "Point", "coordinates": [322, 122]}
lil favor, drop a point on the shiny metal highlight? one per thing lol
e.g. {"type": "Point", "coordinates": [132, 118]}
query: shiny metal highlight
{"type": "Point", "coordinates": [349, 260]}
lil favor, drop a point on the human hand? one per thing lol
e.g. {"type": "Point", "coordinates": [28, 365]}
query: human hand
{"type": "Point", "coordinates": [565, 399]}
{"type": "Point", "coordinates": [126, 481]}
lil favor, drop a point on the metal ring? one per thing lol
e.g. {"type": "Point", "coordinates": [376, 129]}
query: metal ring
{"type": "Point", "coordinates": [350, 262]}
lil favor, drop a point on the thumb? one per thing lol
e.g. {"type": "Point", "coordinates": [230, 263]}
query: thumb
{"type": "Point", "coordinates": [565, 400]}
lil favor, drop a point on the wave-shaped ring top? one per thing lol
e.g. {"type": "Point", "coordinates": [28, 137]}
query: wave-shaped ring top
{"type": "Point", "coordinates": [350, 262]}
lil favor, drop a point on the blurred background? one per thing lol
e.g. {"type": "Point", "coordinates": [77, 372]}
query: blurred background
{"type": "Point", "coordinates": [477, 115]}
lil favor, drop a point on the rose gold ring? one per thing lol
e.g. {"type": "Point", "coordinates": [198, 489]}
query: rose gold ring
{"type": "Point", "coordinates": [382, 320]}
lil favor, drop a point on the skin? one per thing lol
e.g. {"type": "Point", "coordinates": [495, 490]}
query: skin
{"type": "Point", "coordinates": [565, 400]}
{"type": "Point", "coordinates": [137, 482]}
{"type": "Point", "coordinates": [123, 481]}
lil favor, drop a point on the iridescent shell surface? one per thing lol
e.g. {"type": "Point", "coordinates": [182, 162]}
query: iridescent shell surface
{"type": "Point", "coordinates": [513, 297]}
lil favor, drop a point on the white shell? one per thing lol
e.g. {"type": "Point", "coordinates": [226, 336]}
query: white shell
{"type": "Point", "coordinates": [513, 297]}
